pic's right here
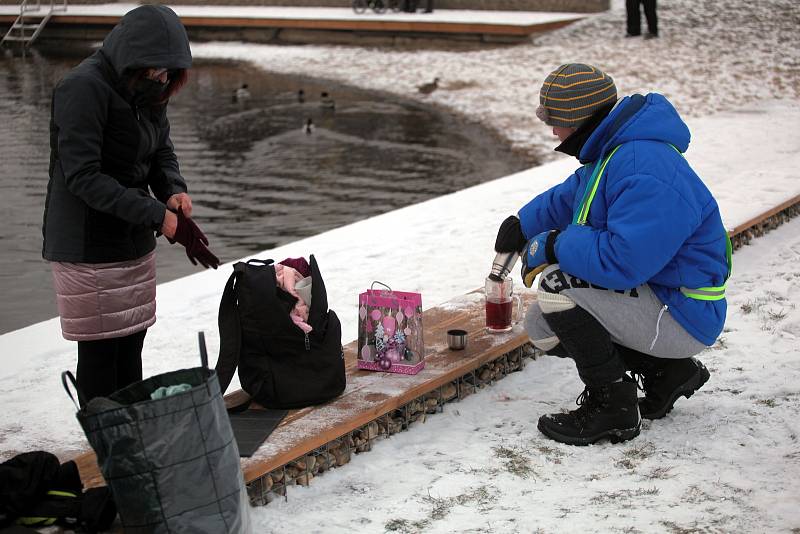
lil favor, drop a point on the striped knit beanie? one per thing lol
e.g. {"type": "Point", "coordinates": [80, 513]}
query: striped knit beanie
{"type": "Point", "coordinates": [572, 93]}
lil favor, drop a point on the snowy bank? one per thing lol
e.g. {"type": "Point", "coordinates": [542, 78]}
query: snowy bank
{"type": "Point", "coordinates": [727, 460]}
{"type": "Point", "coordinates": [441, 248]}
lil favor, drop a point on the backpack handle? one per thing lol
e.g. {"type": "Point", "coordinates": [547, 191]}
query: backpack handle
{"type": "Point", "coordinates": [229, 331]}
{"type": "Point", "coordinates": [67, 375]}
{"type": "Point", "coordinates": [201, 340]}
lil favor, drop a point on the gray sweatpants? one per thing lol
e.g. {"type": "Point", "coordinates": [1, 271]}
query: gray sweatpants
{"type": "Point", "coordinates": [635, 318]}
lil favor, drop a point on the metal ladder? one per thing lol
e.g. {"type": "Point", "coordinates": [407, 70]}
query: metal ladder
{"type": "Point", "coordinates": [27, 32]}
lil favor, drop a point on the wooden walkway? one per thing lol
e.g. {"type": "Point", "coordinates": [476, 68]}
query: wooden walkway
{"type": "Point", "coordinates": [375, 404]}
{"type": "Point", "coordinates": [312, 440]}
{"type": "Point", "coordinates": [757, 226]}
{"type": "Point", "coordinates": [275, 24]}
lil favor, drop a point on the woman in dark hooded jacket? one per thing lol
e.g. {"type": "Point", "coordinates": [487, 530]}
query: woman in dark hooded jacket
{"type": "Point", "coordinates": [114, 183]}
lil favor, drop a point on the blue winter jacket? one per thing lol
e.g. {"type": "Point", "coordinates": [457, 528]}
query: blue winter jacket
{"type": "Point", "coordinates": [652, 219]}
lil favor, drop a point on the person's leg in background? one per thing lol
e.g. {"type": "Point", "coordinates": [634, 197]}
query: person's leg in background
{"type": "Point", "coordinates": [428, 6]}
{"type": "Point", "coordinates": [652, 19]}
{"type": "Point", "coordinates": [634, 20]}
{"type": "Point", "coordinates": [96, 375]}
{"type": "Point", "coordinates": [129, 359]}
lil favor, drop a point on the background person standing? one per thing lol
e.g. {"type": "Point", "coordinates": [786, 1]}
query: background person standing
{"type": "Point", "coordinates": [635, 19]}
{"type": "Point", "coordinates": [114, 183]}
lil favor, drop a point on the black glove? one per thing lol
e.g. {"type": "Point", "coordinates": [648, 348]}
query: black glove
{"type": "Point", "coordinates": [195, 241]}
{"type": "Point", "coordinates": [510, 237]}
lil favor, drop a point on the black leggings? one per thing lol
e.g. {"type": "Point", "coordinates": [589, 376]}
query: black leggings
{"type": "Point", "coordinates": [106, 365]}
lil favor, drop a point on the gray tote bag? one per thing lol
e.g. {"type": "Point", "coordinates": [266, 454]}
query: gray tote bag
{"type": "Point", "coordinates": [172, 463]}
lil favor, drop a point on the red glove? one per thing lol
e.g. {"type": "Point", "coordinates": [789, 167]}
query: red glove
{"type": "Point", "coordinates": [195, 241]}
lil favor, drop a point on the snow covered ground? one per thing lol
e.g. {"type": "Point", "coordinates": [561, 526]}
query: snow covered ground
{"type": "Point", "coordinates": [712, 55]}
{"type": "Point", "coordinates": [727, 460]}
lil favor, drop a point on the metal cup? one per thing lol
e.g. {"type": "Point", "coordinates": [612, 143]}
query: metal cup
{"type": "Point", "coordinates": [457, 339]}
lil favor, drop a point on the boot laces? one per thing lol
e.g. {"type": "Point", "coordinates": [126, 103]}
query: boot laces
{"type": "Point", "coordinates": [638, 378]}
{"type": "Point", "coordinates": [646, 380]}
{"type": "Point", "coordinates": [588, 401]}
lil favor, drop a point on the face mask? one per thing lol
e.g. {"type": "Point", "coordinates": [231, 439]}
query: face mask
{"type": "Point", "coordinates": [148, 92]}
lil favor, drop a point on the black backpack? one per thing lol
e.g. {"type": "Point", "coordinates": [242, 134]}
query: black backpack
{"type": "Point", "coordinates": [280, 366]}
{"type": "Point", "coordinates": [38, 491]}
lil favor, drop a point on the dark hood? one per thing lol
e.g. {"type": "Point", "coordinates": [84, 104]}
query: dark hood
{"type": "Point", "coordinates": [148, 36]}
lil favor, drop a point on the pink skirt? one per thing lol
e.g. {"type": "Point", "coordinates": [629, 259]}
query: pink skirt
{"type": "Point", "coordinates": [105, 300]}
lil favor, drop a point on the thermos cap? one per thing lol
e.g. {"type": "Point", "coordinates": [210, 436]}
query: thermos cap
{"type": "Point", "coordinates": [502, 265]}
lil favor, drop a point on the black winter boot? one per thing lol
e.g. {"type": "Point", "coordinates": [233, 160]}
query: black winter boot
{"type": "Point", "coordinates": [663, 380]}
{"type": "Point", "coordinates": [609, 411]}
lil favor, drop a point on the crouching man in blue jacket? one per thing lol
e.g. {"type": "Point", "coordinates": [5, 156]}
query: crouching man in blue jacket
{"type": "Point", "coordinates": [633, 257]}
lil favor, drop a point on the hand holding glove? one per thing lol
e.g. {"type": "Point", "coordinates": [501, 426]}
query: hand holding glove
{"type": "Point", "coordinates": [539, 253]}
{"type": "Point", "coordinates": [510, 237]}
{"type": "Point", "coordinates": [195, 241]}
{"type": "Point", "coordinates": [182, 202]}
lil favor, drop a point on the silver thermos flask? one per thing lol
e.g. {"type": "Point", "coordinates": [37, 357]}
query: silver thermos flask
{"type": "Point", "coordinates": [502, 265]}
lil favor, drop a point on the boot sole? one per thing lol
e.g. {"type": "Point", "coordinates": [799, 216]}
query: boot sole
{"type": "Point", "coordinates": [686, 389]}
{"type": "Point", "coordinates": [615, 435]}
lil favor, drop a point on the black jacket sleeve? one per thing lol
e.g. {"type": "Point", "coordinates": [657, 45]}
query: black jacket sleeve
{"type": "Point", "coordinates": [80, 112]}
{"type": "Point", "coordinates": [165, 177]}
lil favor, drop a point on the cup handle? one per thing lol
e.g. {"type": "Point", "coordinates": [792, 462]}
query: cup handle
{"type": "Point", "coordinates": [519, 308]}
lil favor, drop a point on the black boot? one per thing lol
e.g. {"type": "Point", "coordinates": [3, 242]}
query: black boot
{"type": "Point", "coordinates": [608, 411]}
{"type": "Point", "coordinates": [663, 380]}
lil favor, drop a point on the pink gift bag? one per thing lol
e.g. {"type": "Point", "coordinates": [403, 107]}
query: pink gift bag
{"type": "Point", "coordinates": [390, 331]}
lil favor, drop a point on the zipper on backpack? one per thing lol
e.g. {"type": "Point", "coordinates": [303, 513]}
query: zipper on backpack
{"type": "Point", "coordinates": [308, 341]}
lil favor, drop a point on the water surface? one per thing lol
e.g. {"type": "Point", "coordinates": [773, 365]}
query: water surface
{"type": "Point", "coordinates": [257, 178]}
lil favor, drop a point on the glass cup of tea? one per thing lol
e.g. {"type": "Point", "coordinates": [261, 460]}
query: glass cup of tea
{"type": "Point", "coordinates": [500, 305]}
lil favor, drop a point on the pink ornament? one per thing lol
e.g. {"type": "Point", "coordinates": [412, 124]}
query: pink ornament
{"type": "Point", "coordinates": [376, 315]}
{"type": "Point", "coordinates": [385, 364]}
{"type": "Point", "coordinates": [409, 311]}
{"type": "Point", "coordinates": [389, 325]}
{"type": "Point", "coordinates": [399, 317]}
{"type": "Point", "coordinates": [366, 354]}
{"type": "Point", "coordinates": [362, 312]}
{"type": "Point", "coordinates": [393, 355]}
{"type": "Point", "coordinates": [407, 331]}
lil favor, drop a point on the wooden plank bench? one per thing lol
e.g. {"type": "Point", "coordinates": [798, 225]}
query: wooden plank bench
{"type": "Point", "coordinates": [369, 397]}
